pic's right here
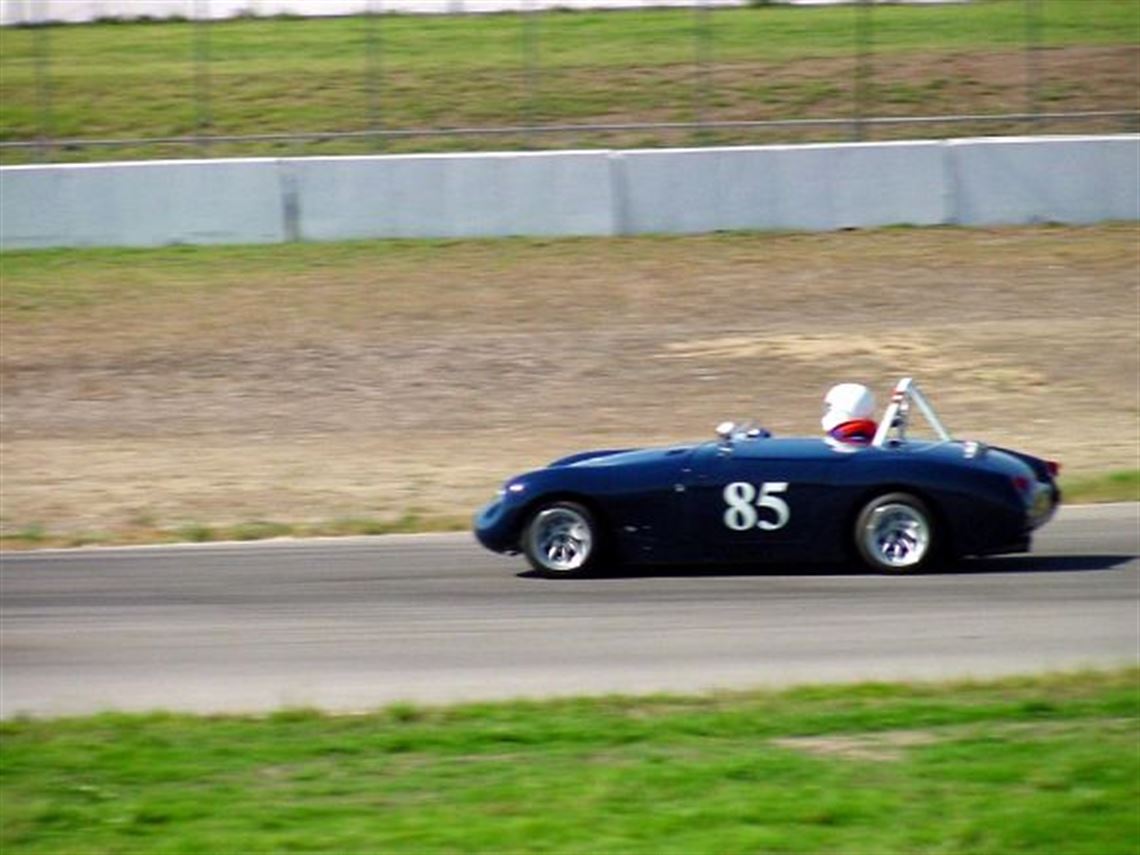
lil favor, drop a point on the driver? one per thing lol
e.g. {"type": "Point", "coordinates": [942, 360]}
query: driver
{"type": "Point", "coordinates": [847, 414]}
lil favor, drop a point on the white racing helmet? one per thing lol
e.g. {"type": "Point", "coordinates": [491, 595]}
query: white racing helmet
{"type": "Point", "coordinates": [847, 402]}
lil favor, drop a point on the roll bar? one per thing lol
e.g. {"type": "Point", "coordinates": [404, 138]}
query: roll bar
{"type": "Point", "coordinates": [897, 416]}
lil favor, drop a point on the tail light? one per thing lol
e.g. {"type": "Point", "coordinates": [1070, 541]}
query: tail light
{"type": "Point", "coordinates": [1021, 483]}
{"type": "Point", "coordinates": [1054, 468]}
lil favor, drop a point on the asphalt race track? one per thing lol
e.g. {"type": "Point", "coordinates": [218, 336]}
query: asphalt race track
{"type": "Point", "coordinates": [353, 624]}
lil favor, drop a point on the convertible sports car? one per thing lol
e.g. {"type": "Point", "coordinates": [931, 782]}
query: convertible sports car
{"type": "Point", "coordinates": [898, 504]}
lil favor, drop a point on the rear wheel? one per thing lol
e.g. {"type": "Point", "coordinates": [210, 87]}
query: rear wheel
{"type": "Point", "coordinates": [562, 539]}
{"type": "Point", "coordinates": [895, 533]}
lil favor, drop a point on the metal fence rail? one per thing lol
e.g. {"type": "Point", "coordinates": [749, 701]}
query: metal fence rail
{"type": "Point", "coordinates": [703, 88]}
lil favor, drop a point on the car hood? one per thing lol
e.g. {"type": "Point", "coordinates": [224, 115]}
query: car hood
{"type": "Point", "coordinates": [622, 456]}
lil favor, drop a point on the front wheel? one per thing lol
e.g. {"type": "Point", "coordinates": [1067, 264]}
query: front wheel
{"type": "Point", "coordinates": [562, 539]}
{"type": "Point", "coordinates": [895, 533]}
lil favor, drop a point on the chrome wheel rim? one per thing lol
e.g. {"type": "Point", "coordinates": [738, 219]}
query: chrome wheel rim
{"type": "Point", "coordinates": [897, 536]}
{"type": "Point", "coordinates": [561, 540]}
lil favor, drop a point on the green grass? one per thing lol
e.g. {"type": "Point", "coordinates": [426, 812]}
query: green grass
{"type": "Point", "coordinates": [36, 536]}
{"type": "Point", "coordinates": [140, 80]}
{"type": "Point", "coordinates": [1122, 486]}
{"type": "Point", "coordinates": [1042, 765]}
{"type": "Point", "coordinates": [35, 282]}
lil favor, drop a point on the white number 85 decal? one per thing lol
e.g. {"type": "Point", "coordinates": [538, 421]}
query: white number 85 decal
{"type": "Point", "coordinates": [741, 515]}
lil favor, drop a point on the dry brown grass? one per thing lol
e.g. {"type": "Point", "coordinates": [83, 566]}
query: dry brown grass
{"type": "Point", "coordinates": [296, 383]}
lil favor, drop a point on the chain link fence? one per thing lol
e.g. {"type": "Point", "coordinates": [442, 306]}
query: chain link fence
{"type": "Point", "coordinates": [538, 77]}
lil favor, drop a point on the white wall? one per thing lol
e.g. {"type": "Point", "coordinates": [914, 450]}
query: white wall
{"type": "Point", "coordinates": [151, 203]}
{"type": "Point", "coordinates": [13, 12]}
{"type": "Point", "coordinates": [1045, 179]}
{"type": "Point", "coordinates": [27, 11]}
{"type": "Point", "coordinates": [816, 187]}
{"type": "Point", "coordinates": [811, 187]}
{"type": "Point", "coordinates": [453, 195]}
{"type": "Point", "coordinates": [79, 11]}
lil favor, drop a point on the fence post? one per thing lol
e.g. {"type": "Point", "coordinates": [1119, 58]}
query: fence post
{"type": "Point", "coordinates": [702, 49]}
{"type": "Point", "coordinates": [374, 71]}
{"type": "Point", "coordinates": [1032, 59]}
{"type": "Point", "coordinates": [864, 54]}
{"type": "Point", "coordinates": [41, 26]}
{"type": "Point", "coordinates": [202, 83]}
{"type": "Point", "coordinates": [531, 69]}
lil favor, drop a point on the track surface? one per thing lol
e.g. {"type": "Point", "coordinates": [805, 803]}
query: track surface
{"type": "Point", "coordinates": [353, 624]}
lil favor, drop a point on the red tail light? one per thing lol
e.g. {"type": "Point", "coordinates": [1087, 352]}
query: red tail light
{"type": "Point", "coordinates": [1021, 483]}
{"type": "Point", "coordinates": [1054, 468]}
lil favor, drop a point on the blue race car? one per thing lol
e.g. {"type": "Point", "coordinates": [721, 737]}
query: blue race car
{"type": "Point", "coordinates": [898, 504]}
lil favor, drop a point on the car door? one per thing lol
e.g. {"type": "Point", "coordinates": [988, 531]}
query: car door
{"type": "Point", "coordinates": [757, 499]}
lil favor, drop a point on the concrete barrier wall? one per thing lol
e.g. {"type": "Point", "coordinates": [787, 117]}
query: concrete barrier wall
{"type": "Point", "coordinates": [1051, 179]}
{"type": "Point", "coordinates": [813, 187]}
{"type": "Point", "coordinates": [557, 193]}
{"type": "Point", "coordinates": [153, 203]}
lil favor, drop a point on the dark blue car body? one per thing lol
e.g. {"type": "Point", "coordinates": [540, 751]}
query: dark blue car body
{"type": "Point", "coordinates": [670, 505]}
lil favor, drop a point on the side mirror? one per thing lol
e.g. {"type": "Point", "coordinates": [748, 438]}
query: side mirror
{"type": "Point", "coordinates": [725, 430]}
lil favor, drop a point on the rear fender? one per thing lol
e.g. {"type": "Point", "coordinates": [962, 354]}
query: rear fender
{"type": "Point", "coordinates": [1040, 467]}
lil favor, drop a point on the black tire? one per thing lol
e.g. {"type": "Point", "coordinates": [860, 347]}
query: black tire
{"type": "Point", "coordinates": [896, 533]}
{"type": "Point", "coordinates": [563, 540]}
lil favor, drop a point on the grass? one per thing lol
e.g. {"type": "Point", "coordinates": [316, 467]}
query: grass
{"type": "Point", "coordinates": [413, 72]}
{"type": "Point", "coordinates": [1039, 765]}
{"type": "Point", "coordinates": [1122, 486]}
{"type": "Point", "coordinates": [411, 522]}
{"type": "Point", "coordinates": [38, 284]}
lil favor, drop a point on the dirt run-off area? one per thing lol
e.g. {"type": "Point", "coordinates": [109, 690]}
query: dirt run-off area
{"type": "Point", "coordinates": [304, 383]}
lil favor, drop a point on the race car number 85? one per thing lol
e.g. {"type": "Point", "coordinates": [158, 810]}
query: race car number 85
{"type": "Point", "coordinates": [744, 500]}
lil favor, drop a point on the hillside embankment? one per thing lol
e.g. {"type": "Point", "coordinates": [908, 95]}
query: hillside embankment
{"type": "Point", "coordinates": [189, 388]}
